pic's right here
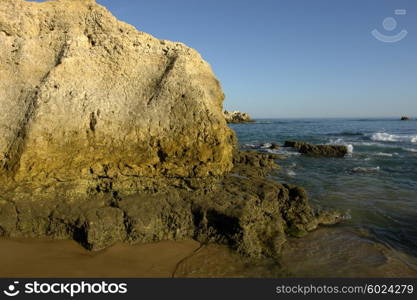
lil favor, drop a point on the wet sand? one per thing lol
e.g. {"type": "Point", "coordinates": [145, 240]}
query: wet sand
{"type": "Point", "coordinates": [46, 258]}
{"type": "Point", "coordinates": [327, 252]}
{"type": "Point", "coordinates": [43, 258]}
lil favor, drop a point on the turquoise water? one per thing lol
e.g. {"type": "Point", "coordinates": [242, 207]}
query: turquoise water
{"type": "Point", "coordinates": [376, 184]}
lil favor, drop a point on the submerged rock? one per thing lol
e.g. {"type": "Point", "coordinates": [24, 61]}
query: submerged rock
{"type": "Point", "coordinates": [237, 117]}
{"type": "Point", "coordinates": [318, 150]}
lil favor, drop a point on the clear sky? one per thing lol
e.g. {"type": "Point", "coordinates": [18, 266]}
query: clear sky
{"type": "Point", "coordinates": [295, 58]}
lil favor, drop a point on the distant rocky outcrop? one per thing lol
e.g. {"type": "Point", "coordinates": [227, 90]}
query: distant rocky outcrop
{"type": "Point", "coordinates": [108, 134]}
{"type": "Point", "coordinates": [237, 117]}
{"type": "Point", "coordinates": [318, 150]}
{"type": "Point", "coordinates": [404, 118]}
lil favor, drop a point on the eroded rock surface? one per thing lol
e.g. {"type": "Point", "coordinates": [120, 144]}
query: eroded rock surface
{"type": "Point", "coordinates": [243, 210]}
{"type": "Point", "coordinates": [318, 150]}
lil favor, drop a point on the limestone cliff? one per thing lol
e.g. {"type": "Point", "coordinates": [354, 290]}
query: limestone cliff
{"type": "Point", "coordinates": [83, 94]}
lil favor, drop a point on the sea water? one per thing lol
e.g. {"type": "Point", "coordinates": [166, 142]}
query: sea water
{"type": "Point", "coordinates": [375, 184]}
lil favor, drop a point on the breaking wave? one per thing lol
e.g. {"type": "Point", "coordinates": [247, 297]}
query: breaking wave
{"type": "Point", "coordinates": [386, 137]}
{"type": "Point", "coordinates": [365, 169]}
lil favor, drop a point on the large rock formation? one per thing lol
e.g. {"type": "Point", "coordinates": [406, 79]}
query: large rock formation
{"type": "Point", "coordinates": [318, 150]}
{"type": "Point", "coordinates": [108, 134]}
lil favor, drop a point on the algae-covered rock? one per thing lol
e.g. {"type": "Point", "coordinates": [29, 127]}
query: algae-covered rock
{"type": "Point", "coordinates": [255, 215]}
{"type": "Point", "coordinates": [318, 150]}
{"type": "Point", "coordinates": [243, 209]}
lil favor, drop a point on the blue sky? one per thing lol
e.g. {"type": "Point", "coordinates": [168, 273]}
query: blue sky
{"type": "Point", "coordinates": [294, 58]}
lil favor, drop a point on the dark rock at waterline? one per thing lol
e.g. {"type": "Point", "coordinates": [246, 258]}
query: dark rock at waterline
{"type": "Point", "coordinates": [103, 227]}
{"type": "Point", "coordinates": [274, 146]}
{"type": "Point", "coordinates": [237, 117]}
{"type": "Point", "coordinates": [318, 150]}
{"type": "Point", "coordinates": [271, 146]}
{"type": "Point", "coordinates": [252, 214]}
{"type": "Point", "coordinates": [254, 164]}
{"type": "Point", "coordinates": [243, 209]}
{"type": "Point", "coordinates": [150, 108]}
{"type": "Point", "coordinates": [404, 118]}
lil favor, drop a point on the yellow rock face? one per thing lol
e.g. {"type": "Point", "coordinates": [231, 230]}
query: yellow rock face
{"type": "Point", "coordinates": [83, 94]}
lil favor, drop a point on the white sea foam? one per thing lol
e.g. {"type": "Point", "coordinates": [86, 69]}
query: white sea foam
{"type": "Point", "coordinates": [286, 152]}
{"type": "Point", "coordinates": [410, 150]}
{"type": "Point", "coordinates": [386, 137]}
{"type": "Point", "coordinates": [366, 169]}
